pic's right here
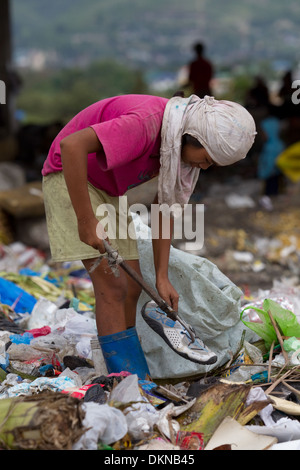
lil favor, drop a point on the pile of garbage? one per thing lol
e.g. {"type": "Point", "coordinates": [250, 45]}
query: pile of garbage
{"type": "Point", "coordinates": [56, 394]}
{"type": "Point", "coordinates": [251, 242]}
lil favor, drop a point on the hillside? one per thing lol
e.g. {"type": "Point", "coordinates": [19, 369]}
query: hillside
{"type": "Point", "coordinates": [157, 33]}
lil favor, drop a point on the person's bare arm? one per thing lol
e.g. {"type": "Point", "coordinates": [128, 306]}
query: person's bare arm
{"type": "Point", "coordinates": [74, 151]}
{"type": "Point", "coordinates": [161, 254]}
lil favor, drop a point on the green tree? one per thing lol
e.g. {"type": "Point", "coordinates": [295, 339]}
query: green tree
{"type": "Point", "coordinates": [58, 95]}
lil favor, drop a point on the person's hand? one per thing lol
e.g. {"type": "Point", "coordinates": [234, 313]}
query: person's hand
{"type": "Point", "coordinates": [92, 233]}
{"type": "Point", "coordinates": [168, 293]}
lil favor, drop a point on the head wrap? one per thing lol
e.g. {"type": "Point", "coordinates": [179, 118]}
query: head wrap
{"type": "Point", "coordinates": [224, 128]}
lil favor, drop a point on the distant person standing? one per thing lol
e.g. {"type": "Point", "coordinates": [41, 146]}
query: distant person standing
{"type": "Point", "coordinates": [200, 73]}
{"type": "Point", "coordinates": [286, 89]}
{"type": "Point", "coordinates": [273, 146]}
{"type": "Point", "coordinates": [258, 95]}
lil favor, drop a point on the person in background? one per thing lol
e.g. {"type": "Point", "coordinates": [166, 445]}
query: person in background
{"type": "Point", "coordinates": [200, 73]}
{"type": "Point", "coordinates": [273, 145]}
{"type": "Point", "coordinates": [258, 95]}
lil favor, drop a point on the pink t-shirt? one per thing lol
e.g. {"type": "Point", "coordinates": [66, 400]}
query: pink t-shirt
{"type": "Point", "coordinates": [128, 128]}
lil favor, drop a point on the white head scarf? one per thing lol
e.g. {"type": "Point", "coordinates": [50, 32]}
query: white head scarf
{"type": "Point", "coordinates": [224, 128]}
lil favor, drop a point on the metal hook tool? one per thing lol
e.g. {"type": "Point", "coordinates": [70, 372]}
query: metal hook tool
{"type": "Point", "coordinates": [115, 260]}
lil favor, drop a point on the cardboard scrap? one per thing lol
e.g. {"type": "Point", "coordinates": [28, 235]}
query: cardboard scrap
{"type": "Point", "coordinates": [230, 432]}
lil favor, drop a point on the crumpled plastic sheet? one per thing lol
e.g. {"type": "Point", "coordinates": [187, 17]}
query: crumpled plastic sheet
{"type": "Point", "coordinates": [109, 424]}
{"type": "Point", "coordinates": [103, 423]}
{"type": "Point", "coordinates": [38, 385]}
{"type": "Point", "coordinates": [209, 302]}
{"type": "Point", "coordinates": [257, 394]}
{"type": "Point", "coordinates": [141, 415]}
{"type": "Point", "coordinates": [285, 429]}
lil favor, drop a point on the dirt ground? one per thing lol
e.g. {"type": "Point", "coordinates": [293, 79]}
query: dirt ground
{"type": "Point", "coordinates": [256, 243]}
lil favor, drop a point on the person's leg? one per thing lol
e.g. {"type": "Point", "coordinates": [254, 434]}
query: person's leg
{"type": "Point", "coordinates": [116, 297]}
{"type": "Point", "coordinates": [116, 301]}
{"type": "Point", "coordinates": [110, 296]}
{"type": "Point", "coordinates": [133, 293]}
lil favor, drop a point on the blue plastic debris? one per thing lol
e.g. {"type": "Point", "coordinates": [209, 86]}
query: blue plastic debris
{"type": "Point", "coordinates": [24, 338]}
{"type": "Point", "coordinates": [14, 296]}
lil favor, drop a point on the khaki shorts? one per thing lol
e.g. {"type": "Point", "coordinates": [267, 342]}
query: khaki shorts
{"type": "Point", "coordinates": [65, 244]}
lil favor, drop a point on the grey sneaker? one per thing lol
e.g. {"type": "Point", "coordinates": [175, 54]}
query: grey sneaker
{"type": "Point", "coordinates": [176, 336]}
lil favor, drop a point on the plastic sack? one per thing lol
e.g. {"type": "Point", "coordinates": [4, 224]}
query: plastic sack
{"type": "Point", "coordinates": [286, 320]}
{"type": "Point", "coordinates": [209, 302]}
{"type": "Point", "coordinates": [289, 162]}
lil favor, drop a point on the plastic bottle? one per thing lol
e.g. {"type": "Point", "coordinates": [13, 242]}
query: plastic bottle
{"type": "Point", "coordinates": [97, 357]}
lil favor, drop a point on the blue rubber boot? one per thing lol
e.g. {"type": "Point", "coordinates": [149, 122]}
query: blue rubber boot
{"type": "Point", "coordinates": [123, 352]}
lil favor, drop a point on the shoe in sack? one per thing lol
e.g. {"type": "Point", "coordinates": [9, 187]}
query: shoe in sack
{"type": "Point", "coordinates": [176, 335]}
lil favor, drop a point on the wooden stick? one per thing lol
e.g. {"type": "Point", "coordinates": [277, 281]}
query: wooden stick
{"type": "Point", "coordinates": [270, 360]}
{"type": "Point", "coordinates": [274, 385]}
{"type": "Point", "coordinates": [285, 355]}
{"type": "Point", "coordinates": [294, 390]}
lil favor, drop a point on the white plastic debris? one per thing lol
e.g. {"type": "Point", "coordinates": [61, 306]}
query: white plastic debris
{"type": "Point", "coordinates": [103, 423]}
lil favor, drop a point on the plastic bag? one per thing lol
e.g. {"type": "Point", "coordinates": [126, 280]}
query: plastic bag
{"type": "Point", "coordinates": [140, 418]}
{"type": "Point", "coordinates": [249, 354]}
{"type": "Point", "coordinates": [42, 314]}
{"type": "Point", "coordinates": [127, 391]}
{"type": "Point", "coordinates": [25, 352]}
{"type": "Point", "coordinates": [292, 347]}
{"type": "Point", "coordinates": [104, 423]}
{"type": "Point", "coordinates": [286, 320]}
